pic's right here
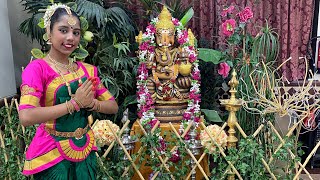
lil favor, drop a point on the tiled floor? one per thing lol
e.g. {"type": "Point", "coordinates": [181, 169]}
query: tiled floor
{"type": "Point", "coordinates": [314, 177]}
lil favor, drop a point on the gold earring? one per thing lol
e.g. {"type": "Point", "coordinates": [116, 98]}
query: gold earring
{"type": "Point", "coordinates": [49, 42]}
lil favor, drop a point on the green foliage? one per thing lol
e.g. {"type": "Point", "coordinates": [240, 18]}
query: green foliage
{"type": "Point", "coordinates": [187, 16]}
{"type": "Point", "coordinates": [14, 147]}
{"type": "Point", "coordinates": [209, 55]}
{"type": "Point", "coordinates": [266, 45]}
{"type": "Point", "coordinates": [212, 116]}
{"type": "Point", "coordinates": [247, 159]}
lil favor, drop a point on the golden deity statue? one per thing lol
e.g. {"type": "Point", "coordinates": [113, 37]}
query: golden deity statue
{"type": "Point", "coordinates": [169, 71]}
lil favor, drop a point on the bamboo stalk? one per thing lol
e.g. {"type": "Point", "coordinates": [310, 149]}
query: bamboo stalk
{"type": "Point", "coordinates": [125, 151]}
{"type": "Point", "coordinates": [194, 168]}
{"type": "Point", "coordinates": [140, 149]}
{"type": "Point", "coordinates": [268, 169]}
{"type": "Point", "coordinates": [98, 157]}
{"type": "Point", "coordinates": [159, 157]}
{"type": "Point", "coordinates": [3, 146]}
{"type": "Point", "coordinates": [112, 144]}
{"type": "Point", "coordinates": [221, 151]}
{"type": "Point", "coordinates": [9, 116]}
{"type": "Point", "coordinates": [290, 152]}
{"type": "Point", "coordinates": [190, 153]}
{"type": "Point", "coordinates": [175, 147]}
{"type": "Point", "coordinates": [307, 160]}
{"type": "Point", "coordinates": [17, 106]}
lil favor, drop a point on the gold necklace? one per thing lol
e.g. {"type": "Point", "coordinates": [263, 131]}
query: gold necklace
{"type": "Point", "coordinates": [70, 69]}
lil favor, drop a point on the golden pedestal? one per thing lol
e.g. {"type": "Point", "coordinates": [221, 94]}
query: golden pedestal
{"type": "Point", "coordinates": [165, 127]}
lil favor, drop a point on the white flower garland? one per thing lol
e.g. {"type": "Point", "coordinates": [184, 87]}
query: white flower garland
{"type": "Point", "coordinates": [50, 11]}
{"type": "Point", "coordinates": [145, 102]}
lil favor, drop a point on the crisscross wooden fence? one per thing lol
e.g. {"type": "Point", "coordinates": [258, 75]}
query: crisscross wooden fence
{"type": "Point", "coordinates": [231, 172]}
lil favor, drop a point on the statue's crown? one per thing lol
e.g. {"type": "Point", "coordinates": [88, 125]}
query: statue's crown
{"type": "Point", "coordinates": [165, 20]}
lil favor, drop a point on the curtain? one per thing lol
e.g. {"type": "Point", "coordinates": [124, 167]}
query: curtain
{"type": "Point", "coordinates": [292, 20]}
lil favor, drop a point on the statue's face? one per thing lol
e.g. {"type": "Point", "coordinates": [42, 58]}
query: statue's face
{"type": "Point", "coordinates": [165, 37]}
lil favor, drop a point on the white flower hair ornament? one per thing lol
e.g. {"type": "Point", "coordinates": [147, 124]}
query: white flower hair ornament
{"type": "Point", "coordinates": [51, 10]}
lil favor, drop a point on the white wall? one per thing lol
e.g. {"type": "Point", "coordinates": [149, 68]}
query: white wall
{"type": "Point", "coordinates": [7, 75]}
{"type": "Point", "coordinates": [21, 45]}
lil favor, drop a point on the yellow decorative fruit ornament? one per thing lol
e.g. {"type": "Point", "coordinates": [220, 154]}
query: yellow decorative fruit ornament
{"type": "Point", "coordinates": [185, 68]}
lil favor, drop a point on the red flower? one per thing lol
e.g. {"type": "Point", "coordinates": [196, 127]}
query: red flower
{"type": "Point", "coordinates": [175, 156]}
{"type": "Point", "coordinates": [228, 27]}
{"type": "Point", "coordinates": [245, 15]}
{"type": "Point", "coordinates": [224, 69]}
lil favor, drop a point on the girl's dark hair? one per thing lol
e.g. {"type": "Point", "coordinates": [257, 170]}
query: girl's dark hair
{"type": "Point", "coordinates": [57, 14]}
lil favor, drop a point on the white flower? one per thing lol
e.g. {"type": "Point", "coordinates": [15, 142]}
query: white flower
{"type": "Point", "coordinates": [50, 11]}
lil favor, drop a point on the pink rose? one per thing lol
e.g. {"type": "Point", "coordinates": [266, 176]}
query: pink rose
{"type": "Point", "coordinates": [245, 14]}
{"type": "Point", "coordinates": [224, 69]}
{"type": "Point", "coordinates": [228, 27]}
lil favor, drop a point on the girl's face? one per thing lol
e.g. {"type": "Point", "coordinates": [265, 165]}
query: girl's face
{"type": "Point", "coordinates": [65, 37]}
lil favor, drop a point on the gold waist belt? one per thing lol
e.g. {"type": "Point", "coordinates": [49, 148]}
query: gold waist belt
{"type": "Point", "coordinates": [78, 133]}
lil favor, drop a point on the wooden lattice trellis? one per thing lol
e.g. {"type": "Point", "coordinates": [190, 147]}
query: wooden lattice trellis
{"type": "Point", "coordinates": [230, 172]}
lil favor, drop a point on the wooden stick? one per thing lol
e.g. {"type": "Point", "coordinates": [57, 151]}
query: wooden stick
{"type": "Point", "coordinates": [125, 151]}
{"type": "Point", "coordinates": [102, 164]}
{"type": "Point", "coordinates": [194, 168]}
{"type": "Point", "coordinates": [9, 116]}
{"type": "Point", "coordinates": [190, 153]}
{"type": "Point", "coordinates": [268, 169]}
{"type": "Point", "coordinates": [175, 147]}
{"type": "Point", "coordinates": [282, 143]}
{"type": "Point", "coordinates": [221, 151]}
{"type": "Point", "coordinates": [112, 144]}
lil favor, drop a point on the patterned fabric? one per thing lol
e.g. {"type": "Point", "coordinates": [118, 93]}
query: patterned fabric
{"type": "Point", "coordinates": [292, 21]}
{"type": "Point", "coordinates": [42, 86]}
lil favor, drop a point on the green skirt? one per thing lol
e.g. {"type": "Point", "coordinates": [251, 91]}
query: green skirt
{"type": "Point", "coordinates": [67, 170]}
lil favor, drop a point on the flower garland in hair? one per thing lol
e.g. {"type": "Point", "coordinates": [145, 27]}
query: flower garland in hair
{"type": "Point", "coordinates": [50, 11]}
{"type": "Point", "coordinates": [146, 50]}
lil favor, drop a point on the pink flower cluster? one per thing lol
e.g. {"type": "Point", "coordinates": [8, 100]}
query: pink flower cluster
{"type": "Point", "coordinates": [224, 69]}
{"type": "Point", "coordinates": [183, 37]}
{"type": "Point", "coordinates": [175, 21]}
{"type": "Point", "coordinates": [227, 10]}
{"type": "Point", "coordinates": [146, 46]}
{"type": "Point", "coordinates": [245, 14]}
{"type": "Point", "coordinates": [229, 25]}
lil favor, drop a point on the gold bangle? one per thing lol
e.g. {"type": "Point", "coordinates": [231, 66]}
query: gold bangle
{"type": "Point", "coordinates": [78, 102]}
{"type": "Point", "coordinates": [99, 106]}
{"type": "Point", "coordinates": [68, 108]}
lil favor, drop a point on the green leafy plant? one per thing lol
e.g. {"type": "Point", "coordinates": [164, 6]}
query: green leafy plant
{"type": "Point", "coordinates": [12, 154]}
